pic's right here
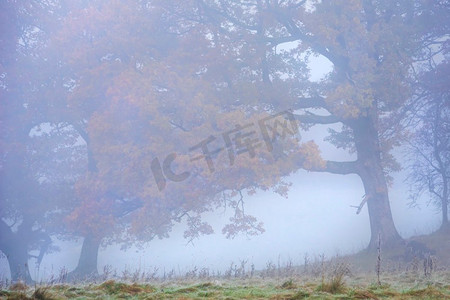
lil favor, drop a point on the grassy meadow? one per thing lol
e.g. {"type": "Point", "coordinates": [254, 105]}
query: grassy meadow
{"type": "Point", "coordinates": [358, 276]}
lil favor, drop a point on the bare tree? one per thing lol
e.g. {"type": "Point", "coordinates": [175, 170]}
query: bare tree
{"type": "Point", "coordinates": [430, 147]}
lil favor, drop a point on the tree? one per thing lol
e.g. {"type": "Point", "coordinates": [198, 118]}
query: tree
{"type": "Point", "coordinates": [34, 174]}
{"type": "Point", "coordinates": [428, 111]}
{"type": "Point", "coordinates": [138, 95]}
{"type": "Point", "coordinates": [369, 43]}
{"type": "Point", "coordinates": [31, 165]}
{"type": "Point", "coordinates": [91, 53]}
{"type": "Point", "coordinates": [430, 146]}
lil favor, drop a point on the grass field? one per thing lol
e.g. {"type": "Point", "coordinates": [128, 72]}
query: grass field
{"type": "Point", "coordinates": [351, 287]}
{"type": "Point", "coordinates": [341, 277]}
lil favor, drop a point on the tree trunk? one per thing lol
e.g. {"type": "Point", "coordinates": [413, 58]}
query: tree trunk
{"type": "Point", "coordinates": [445, 226]}
{"type": "Point", "coordinates": [18, 263]}
{"type": "Point", "coordinates": [15, 248]}
{"type": "Point", "coordinates": [87, 263]}
{"type": "Point", "coordinates": [372, 175]}
{"type": "Point", "coordinates": [16, 253]}
{"type": "Point", "coordinates": [380, 215]}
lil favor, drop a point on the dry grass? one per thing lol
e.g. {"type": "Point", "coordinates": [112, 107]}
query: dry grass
{"type": "Point", "coordinates": [349, 277]}
{"type": "Point", "coordinates": [339, 284]}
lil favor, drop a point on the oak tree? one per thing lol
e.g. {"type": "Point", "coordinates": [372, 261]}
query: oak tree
{"type": "Point", "coordinates": [370, 45]}
{"type": "Point", "coordinates": [140, 96]}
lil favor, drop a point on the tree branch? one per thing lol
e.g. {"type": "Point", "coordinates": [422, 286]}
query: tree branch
{"type": "Point", "coordinates": [297, 34]}
{"type": "Point", "coordinates": [361, 205]}
{"type": "Point", "coordinates": [337, 167]}
{"type": "Point", "coordinates": [92, 164]}
{"type": "Point", "coordinates": [274, 41]}
{"type": "Point", "coordinates": [179, 126]}
{"type": "Point", "coordinates": [341, 167]}
{"type": "Point", "coordinates": [312, 102]}
{"type": "Point", "coordinates": [44, 242]}
{"type": "Point", "coordinates": [224, 15]}
{"type": "Point", "coordinates": [316, 119]}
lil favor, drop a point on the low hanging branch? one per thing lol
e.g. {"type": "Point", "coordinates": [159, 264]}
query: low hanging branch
{"type": "Point", "coordinates": [317, 119]}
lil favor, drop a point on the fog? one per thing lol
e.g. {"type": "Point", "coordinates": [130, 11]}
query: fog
{"type": "Point", "coordinates": [308, 222]}
{"type": "Point", "coordinates": [317, 218]}
{"type": "Point", "coordinates": [165, 135]}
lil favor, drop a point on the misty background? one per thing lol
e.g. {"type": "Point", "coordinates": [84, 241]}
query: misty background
{"type": "Point", "coordinates": [318, 216]}
{"type": "Point", "coordinates": [311, 221]}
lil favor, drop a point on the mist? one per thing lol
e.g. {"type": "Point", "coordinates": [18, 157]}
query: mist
{"type": "Point", "coordinates": [175, 136]}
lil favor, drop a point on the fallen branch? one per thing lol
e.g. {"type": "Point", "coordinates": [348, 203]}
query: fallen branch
{"type": "Point", "coordinates": [361, 205]}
